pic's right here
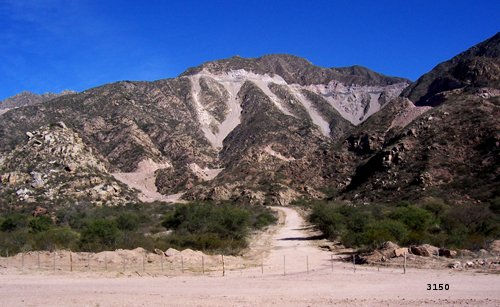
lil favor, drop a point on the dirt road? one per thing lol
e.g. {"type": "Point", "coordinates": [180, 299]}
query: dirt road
{"type": "Point", "coordinates": [321, 286]}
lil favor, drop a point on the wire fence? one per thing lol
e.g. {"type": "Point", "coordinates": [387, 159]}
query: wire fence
{"type": "Point", "coordinates": [194, 263]}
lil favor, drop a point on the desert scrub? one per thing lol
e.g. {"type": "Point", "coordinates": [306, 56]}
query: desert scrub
{"type": "Point", "coordinates": [213, 227]}
{"type": "Point", "coordinates": [433, 221]}
{"type": "Point", "coordinates": [204, 226]}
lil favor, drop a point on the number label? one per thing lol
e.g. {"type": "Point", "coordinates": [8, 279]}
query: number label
{"type": "Point", "coordinates": [438, 287]}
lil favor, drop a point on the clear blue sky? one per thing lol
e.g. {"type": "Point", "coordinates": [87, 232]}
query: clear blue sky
{"type": "Point", "coordinates": [51, 45]}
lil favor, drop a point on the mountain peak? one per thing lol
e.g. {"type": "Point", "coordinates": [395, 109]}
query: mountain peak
{"type": "Point", "coordinates": [478, 66]}
{"type": "Point", "coordinates": [27, 98]}
{"type": "Point", "coordinates": [296, 70]}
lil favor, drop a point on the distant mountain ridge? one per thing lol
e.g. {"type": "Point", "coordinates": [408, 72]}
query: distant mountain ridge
{"type": "Point", "coordinates": [28, 98]}
{"type": "Point", "coordinates": [275, 129]}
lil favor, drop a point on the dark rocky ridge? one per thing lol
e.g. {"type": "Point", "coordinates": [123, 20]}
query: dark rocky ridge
{"type": "Point", "coordinates": [478, 66]}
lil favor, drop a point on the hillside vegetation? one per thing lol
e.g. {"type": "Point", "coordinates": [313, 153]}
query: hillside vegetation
{"type": "Point", "coordinates": [222, 228]}
{"type": "Point", "coordinates": [464, 226]}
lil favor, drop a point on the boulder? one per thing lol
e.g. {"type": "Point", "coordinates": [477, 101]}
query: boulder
{"type": "Point", "coordinates": [389, 245]}
{"type": "Point", "coordinates": [448, 253]}
{"type": "Point", "coordinates": [494, 247]}
{"type": "Point", "coordinates": [400, 252]}
{"type": "Point", "coordinates": [171, 252]}
{"type": "Point", "coordinates": [455, 265]}
{"type": "Point", "coordinates": [39, 211]}
{"type": "Point", "coordinates": [424, 250]}
{"type": "Point", "coordinates": [387, 249]}
{"type": "Point", "coordinates": [466, 253]}
{"type": "Point", "coordinates": [484, 253]}
{"type": "Point", "coordinates": [159, 252]}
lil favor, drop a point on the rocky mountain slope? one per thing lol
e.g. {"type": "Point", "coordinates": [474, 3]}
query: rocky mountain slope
{"type": "Point", "coordinates": [277, 128]}
{"type": "Point", "coordinates": [54, 167]}
{"type": "Point", "coordinates": [450, 150]}
{"type": "Point", "coordinates": [223, 128]}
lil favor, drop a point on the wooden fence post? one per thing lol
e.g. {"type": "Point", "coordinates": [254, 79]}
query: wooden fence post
{"type": "Point", "coordinates": [161, 261]}
{"type": "Point", "coordinates": [105, 261]}
{"type": "Point", "coordinates": [331, 261]}
{"type": "Point", "coordinates": [284, 266]}
{"type": "Point", "coordinates": [182, 264]}
{"type": "Point", "coordinates": [144, 262]}
{"type": "Point", "coordinates": [54, 262]}
{"type": "Point", "coordinates": [262, 265]}
{"type": "Point", "coordinates": [38, 259]}
{"type": "Point", "coordinates": [307, 264]}
{"type": "Point", "coordinates": [223, 266]}
{"type": "Point", "coordinates": [70, 261]}
{"type": "Point", "coordinates": [404, 266]}
{"type": "Point", "coordinates": [203, 265]}
{"type": "Point", "coordinates": [353, 263]}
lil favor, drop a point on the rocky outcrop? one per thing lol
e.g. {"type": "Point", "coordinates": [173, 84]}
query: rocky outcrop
{"type": "Point", "coordinates": [424, 250]}
{"type": "Point", "coordinates": [54, 167]}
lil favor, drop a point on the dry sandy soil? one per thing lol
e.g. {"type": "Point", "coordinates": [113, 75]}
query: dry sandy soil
{"type": "Point", "coordinates": [309, 278]}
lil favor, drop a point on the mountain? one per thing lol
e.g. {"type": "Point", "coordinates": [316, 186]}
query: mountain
{"type": "Point", "coordinates": [476, 67]}
{"type": "Point", "coordinates": [277, 128]}
{"type": "Point", "coordinates": [449, 144]}
{"type": "Point", "coordinates": [234, 128]}
{"type": "Point", "coordinates": [55, 168]}
{"type": "Point", "coordinates": [28, 99]}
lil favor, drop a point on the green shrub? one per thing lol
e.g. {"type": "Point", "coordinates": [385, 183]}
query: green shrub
{"type": "Point", "coordinates": [386, 230]}
{"type": "Point", "coordinates": [414, 218]}
{"type": "Point", "coordinates": [57, 238]}
{"type": "Point", "coordinates": [13, 222]}
{"type": "Point", "coordinates": [39, 224]}
{"type": "Point", "coordinates": [432, 221]}
{"type": "Point", "coordinates": [211, 227]}
{"type": "Point", "coordinates": [99, 234]}
{"type": "Point", "coordinates": [127, 221]}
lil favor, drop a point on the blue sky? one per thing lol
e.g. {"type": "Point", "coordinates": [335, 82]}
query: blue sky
{"type": "Point", "coordinates": [52, 45]}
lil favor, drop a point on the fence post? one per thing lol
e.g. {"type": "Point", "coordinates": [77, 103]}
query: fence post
{"type": "Point", "coordinates": [124, 264]}
{"type": "Point", "coordinates": [22, 261]}
{"type": "Point", "coordinates": [404, 266]}
{"type": "Point", "coordinates": [307, 263]}
{"type": "Point", "coordinates": [331, 261]}
{"type": "Point", "coordinates": [70, 261]}
{"type": "Point", "coordinates": [353, 263]}
{"type": "Point", "coordinates": [223, 266]}
{"type": "Point", "coordinates": [38, 259]}
{"type": "Point", "coordinates": [161, 261]}
{"type": "Point", "coordinates": [182, 264]}
{"type": "Point", "coordinates": [262, 265]}
{"type": "Point", "coordinates": [54, 262]}
{"type": "Point", "coordinates": [88, 260]}
{"type": "Point", "coordinates": [144, 262]}
{"type": "Point", "coordinates": [203, 265]}
{"type": "Point", "coordinates": [105, 261]}
{"type": "Point", "coordinates": [284, 266]}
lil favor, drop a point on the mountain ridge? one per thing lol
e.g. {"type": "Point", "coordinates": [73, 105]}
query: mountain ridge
{"type": "Point", "coordinates": [275, 129]}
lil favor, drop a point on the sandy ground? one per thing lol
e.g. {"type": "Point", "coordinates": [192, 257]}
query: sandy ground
{"type": "Point", "coordinates": [143, 179]}
{"type": "Point", "coordinates": [308, 278]}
